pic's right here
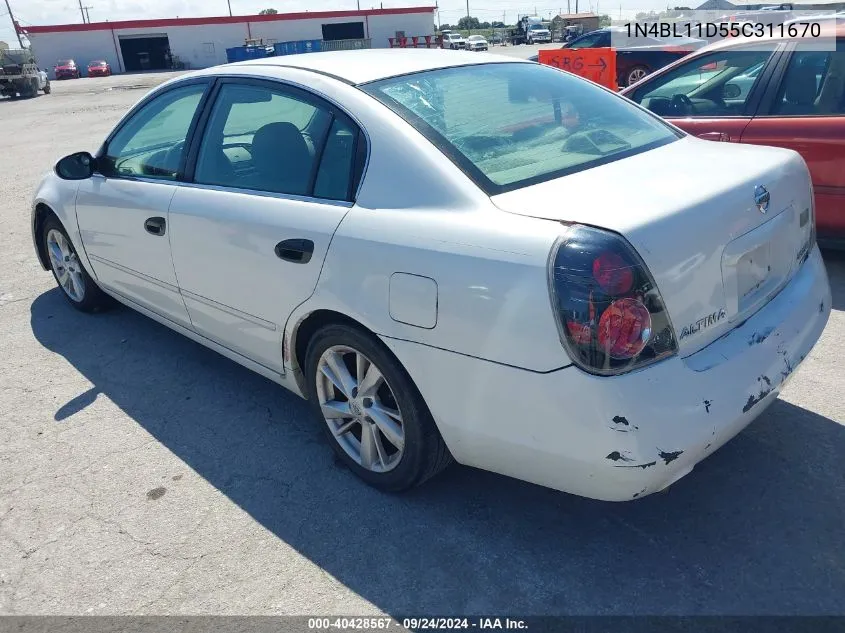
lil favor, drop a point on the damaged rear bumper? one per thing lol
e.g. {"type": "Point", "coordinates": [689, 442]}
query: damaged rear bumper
{"type": "Point", "coordinates": [628, 436]}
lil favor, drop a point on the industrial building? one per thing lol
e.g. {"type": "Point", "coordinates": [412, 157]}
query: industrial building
{"type": "Point", "coordinates": [139, 45]}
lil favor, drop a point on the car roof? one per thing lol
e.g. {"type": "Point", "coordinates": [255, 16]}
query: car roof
{"type": "Point", "coordinates": [367, 65]}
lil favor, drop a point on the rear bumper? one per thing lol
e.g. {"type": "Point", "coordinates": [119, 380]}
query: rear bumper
{"type": "Point", "coordinates": [623, 437]}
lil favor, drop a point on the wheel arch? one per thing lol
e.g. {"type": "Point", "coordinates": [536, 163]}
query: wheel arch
{"type": "Point", "coordinates": [40, 214]}
{"type": "Point", "coordinates": [301, 329]}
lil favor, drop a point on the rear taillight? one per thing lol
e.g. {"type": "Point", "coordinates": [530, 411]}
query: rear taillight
{"type": "Point", "coordinates": [610, 313]}
{"type": "Point", "coordinates": [807, 225]}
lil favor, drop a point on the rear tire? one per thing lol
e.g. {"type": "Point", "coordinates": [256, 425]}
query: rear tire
{"type": "Point", "coordinates": [635, 74]}
{"type": "Point", "coordinates": [410, 449]}
{"type": "Point", "coordinates": [77, 286]}
{"type": "Point", "coordinates": [47, 88]}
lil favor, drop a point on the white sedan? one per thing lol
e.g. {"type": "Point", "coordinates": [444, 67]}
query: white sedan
{"type": "Point", "coordinates": [547, 287]}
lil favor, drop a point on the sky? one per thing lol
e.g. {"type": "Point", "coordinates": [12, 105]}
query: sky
{"type": "Point", "coordinates": [36, 12]}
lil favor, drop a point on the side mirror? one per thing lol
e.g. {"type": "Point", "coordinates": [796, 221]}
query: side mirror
{"type": "Point", "coordinates": [77, 166]}
{"type": "Point", "coordinates": [731, 91]}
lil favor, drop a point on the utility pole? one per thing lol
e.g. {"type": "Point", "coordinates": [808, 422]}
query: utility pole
{"type": "Point", "coordinates": [437, 8]}
{"type": "Point", "coordinates": [88, 15]}
{"type": "Point", "coordinates": [469, 19]}
{"type": "Point", "coordinates": [229, 2]}
{"type": "Point", "coordinates": [14, 24]}
{"type": "Point", "coordinates": [568, 8]}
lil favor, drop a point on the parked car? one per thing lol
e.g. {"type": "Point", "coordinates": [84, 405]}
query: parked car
{"type": "Point", "coordinates": [441, 285]}
{"type": "Point", "coordinates": [99, 69]}
{"type": "Point", "coordinates": [66, 69]}
{"type": "Point", "coordinates": [476, 43]}
{"type": "Point", "coordinates": [788, 93]}
{"type": "Point", "coordinates": [636, 56]}
{"type": "Point", "coordinates": [453, 40]}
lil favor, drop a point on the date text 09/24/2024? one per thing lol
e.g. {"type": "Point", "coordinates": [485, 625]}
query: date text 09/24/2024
{"type": "Point", "coordinates": [415, 624]}
{"type": "Point", "coordinates": [709, 30]}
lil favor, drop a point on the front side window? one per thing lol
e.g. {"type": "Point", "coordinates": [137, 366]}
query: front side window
{"type": "Point", "coordinates": [152, 143]}
{"type": "Point", "coordinates": [712, 85]}
{"type": "Point", "coordinates": [539, 123]}
{"type": "Point", "coordinates": [277, 141]}
{"type": "Point", "coordinates": [814, 84]}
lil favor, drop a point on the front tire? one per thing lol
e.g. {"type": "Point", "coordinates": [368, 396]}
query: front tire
{"type": "Point", "coordinates": [47, 88]}
{"type": "Point", "coordinates": [371, 411]}
{"type": "Point", "coordinates": [76, 284]}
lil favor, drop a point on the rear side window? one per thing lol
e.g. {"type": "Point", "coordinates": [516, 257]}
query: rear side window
{"type": "Point", "coordinates": [813, 85]}
{"type": "Point", "coordinates": [600, 39]}
{"type": "Point", "coordinates": [538, 122]}
{"type": "Point", "coordinates": [277, 140]}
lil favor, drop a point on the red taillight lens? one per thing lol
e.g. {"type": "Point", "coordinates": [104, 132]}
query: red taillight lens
{"type": "Point", "coordinates": [613, 273]}
{"type": "Point", "coordinates": [611, 315]}
{"type": "Point", "coordinates": [624, 328]}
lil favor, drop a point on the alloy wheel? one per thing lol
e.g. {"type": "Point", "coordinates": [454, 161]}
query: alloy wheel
{"type": "Point", "coordinates": [635, 75]}
{"type": "Point", "coordinates": [360, 408]}
{"type": "Point", "coordinates": [66, 265]}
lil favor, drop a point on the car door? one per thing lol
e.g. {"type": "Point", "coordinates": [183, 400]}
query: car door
{"type": "Point", "coordinates": [274, 173]}
{"type": "Point", "coordinates": [712, 96]}
{"type": "Point", "coordinates": [805, 111]}
{"type": "Point", "coordinates": [123, 209]}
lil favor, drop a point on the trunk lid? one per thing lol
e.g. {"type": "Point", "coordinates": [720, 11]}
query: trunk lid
{"type": "Point", "coordinates": [689, 210]}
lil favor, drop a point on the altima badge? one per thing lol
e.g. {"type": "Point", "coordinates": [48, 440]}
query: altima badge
{"type": "Point", "coordinates": [761, 198]}
{"type": "Point", "coordinates": [702, 323]}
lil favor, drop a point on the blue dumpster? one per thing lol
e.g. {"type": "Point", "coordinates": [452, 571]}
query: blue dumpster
{"type": "Point", "coordinates": [243, 53]}
{"type": "Point", "coordinates": [297, 48]}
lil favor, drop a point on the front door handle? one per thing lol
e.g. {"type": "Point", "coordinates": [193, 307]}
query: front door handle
{"type": "Point", "coordinates": [296, 250]}
{"type": "Point", "coordinates": [715, 136]}
{"type": "Point", "coordinates": [156, 226]}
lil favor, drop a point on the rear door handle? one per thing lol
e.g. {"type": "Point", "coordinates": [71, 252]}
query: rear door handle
{"type": "Point", "coordinates": [296, 250]}
{"type": "Point", "coordinates": [156, 226]}
{"type": "Point", "coordinates": [715, 136]}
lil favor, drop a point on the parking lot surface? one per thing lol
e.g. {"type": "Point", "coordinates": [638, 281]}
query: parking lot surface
{"type": "Point", "coordinates": [141, 473]}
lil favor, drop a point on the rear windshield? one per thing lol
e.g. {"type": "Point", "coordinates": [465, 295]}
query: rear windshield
{"type": "Point", "coordinates": [510, 125]}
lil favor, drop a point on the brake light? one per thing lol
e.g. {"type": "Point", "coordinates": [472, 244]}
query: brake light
{"type": "Point", "coordinates": [611, 316]}
{"type": "Point", "coordinates": [612, 273]}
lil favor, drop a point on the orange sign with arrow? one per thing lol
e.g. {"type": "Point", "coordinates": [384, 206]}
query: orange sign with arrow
{"type": "Point", "coordinates": [595, 64]}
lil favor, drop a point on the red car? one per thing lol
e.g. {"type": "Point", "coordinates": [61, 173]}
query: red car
{"type": "Point", "coordinates": [785, 92]}
{"type": "Point", "coordinates": [99, 69]}
{"type": "Point", "coordinates": [66, 69]}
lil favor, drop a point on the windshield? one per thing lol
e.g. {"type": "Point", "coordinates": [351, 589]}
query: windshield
{"type": "Point", "coordinates": [540, 123]}
{"type": "Point", "coordinates": [537, 27]}
{"type": "Point", "coordinates": [65, 62]}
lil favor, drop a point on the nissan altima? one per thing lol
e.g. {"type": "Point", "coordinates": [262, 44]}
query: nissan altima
{"type": "Point", "coordinates": [480, 260]}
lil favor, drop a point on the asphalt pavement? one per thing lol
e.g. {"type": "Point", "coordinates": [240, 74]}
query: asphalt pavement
{"type": "Point", "coordinates": [141, 473]}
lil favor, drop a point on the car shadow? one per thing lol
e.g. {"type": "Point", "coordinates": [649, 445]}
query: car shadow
{"type": "Point", "coordinates": [755, 529]}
